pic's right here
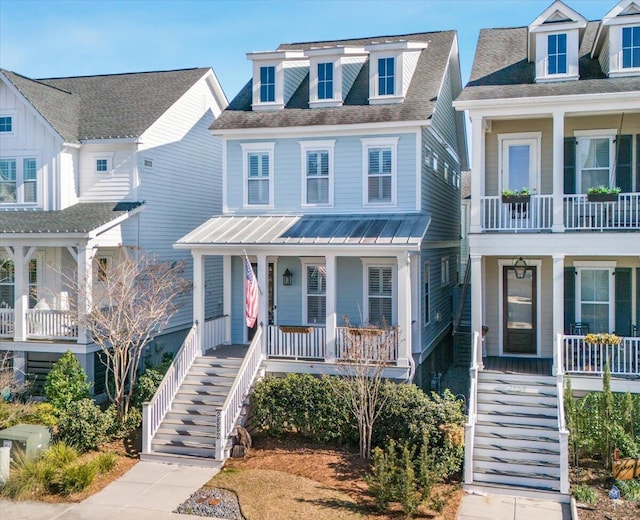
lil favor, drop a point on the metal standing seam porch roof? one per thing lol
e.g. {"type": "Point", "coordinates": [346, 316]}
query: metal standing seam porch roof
{"type": "Point", "coordinates": [313, 230]}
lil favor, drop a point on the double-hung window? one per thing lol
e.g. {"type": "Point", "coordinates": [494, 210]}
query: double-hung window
{"type": "Point", "coordinates": [595, 297]}
{"type": "Point", "coordinates": [325, 80]}
{"type": "Point", "coordinates": [317, 172]}
{"type": "Point", "coordinates": [386, 76]}
{"type": "Point", "coordinates": [258, 174]}
{"type": "Point", "coordinates": [556, 54]}
{"type": "Point", "coordinates": [594, 162]}
{"type": "Point", "coordinates": [267, 84]}
{"type": "Point", "coordinates": [380, 295]}
{"type": "Point", "coordinates": [379, 159]}
{"type": "Point", "coordinates": [18, 180]}
{"type": "Point", "coordinates": [316, 293]}
{"type": "Point", "coordinates": [631, 47]}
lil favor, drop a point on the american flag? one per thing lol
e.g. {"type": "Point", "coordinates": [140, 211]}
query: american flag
{"type": "Point", "coordinates": [251, 294]}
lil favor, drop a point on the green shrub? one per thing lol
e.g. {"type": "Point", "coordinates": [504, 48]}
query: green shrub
{"type": "Point", "coordinates": [84, 425]}
{"type": "Point", "coordinates": [408, 494]}
{"type": "Point", "coordinates": [629, 489]}
{"type": "Point", "coordinates": [584, 493]}
{"type": "Point", "coordinates": [105, 461]}
{"type": "Point", "coordinates": [123, 427]}
{"type": "Point", "coordinates": [27, 413]}
{"type": "Point", "coordinates": [146, 386]}
{"type": "Point", "coordinates": [29, 478]}
{"type": "Point", "coordinates": [382, 477]}
{"type": "Point", "coordinates": [66, 382]}
{"type": "Point", "coordinates": [60, 454]}
{"type": "Point", "coordinates": [73, 478]}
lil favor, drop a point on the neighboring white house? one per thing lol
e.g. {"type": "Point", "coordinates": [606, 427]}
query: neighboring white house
{"type": "Point", "coordinates": [555, 108]}
{"type": "Point", "coordinates": [88, 164]}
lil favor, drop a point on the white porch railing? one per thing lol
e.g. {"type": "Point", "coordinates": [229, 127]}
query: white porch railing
{"type": "Point", "coordinates": [230, 411]}
{"type": "Point", "coordinates": [213, 332]}
{"type": "Point", "coordinates": [472, 417]}
{"type": "Point", "coordinates": [624, 213]}
{"type": "Point", "coordinates": [376, 338]}
{"type": "Point", "coordinates": [585, 358]}
{"type": "Point", "coordinates": [51, 324]}
{"type": "Point", "coordinates": [521, 216]}
{"type": "Point", "coordinates": [154, 411]}
{"type": "Point", "coordinates": [563, 437]}
{"type": "Point", "coordinates": [6, 323]}
{"type": "Point", "coordinates": [296, 342]}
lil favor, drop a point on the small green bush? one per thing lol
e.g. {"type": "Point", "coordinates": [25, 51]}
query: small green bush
{"type": "Point", "coordinates": [60, 454]}
{"type": "Point", "coordinates": [382, 478]}
{"type": "Point", "coordinates": [123, 427]}
{"type": "Point", "coordinates": [146, 386]}
{"type": "Point", "coordinates": [629, 489]}
{"type": "Point", "coordinates": [408, 494]}
{"type": "Point", "coordinates": [84, 425]}
{"type": "Point", "coordinates": [105, 461]}
{"type": "Point", "coordinates": [74, 477]}
{"type": "Point", "coordinates": [66, 382]}
{"type": "Point", "coordinates": [584, 493]}
{"type": "Point", "coordinates": [27, 413]}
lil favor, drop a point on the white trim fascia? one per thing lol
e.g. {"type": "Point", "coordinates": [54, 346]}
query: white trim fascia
{"type": "Point", "coordinates": [418, 170]}
{"type": "Point", "coordinates": [382, 142]}
{"type": "Point", "coordinates": [248, 148]}
{"type": "Point", "coordinates": [112, 223]}
{"type": "Point", "coordinates": [504, 262]}
{"type": "Point", "coordinates": [76, 146]}
{"type": "Point", "coordinates": [608, 132]}
{"type": "Point", "coordinates": [602, 264]}
{"type": "Point", "coordinates": [306, 146]}
{"type": "Point", "coordinates": [30, 106]}
{"type": "Point", "coordinates": [211, 79]}
{"type": "Point", "coordinates": [379, 262]}
{"type": "Point", "coordinates": [300, 250]}
{"type": "Point", "coordinates": [450, 150]}
{"type": "Point", "coordinates": [225, 204]}
{"type": "Point", "coordinates": [328, 130]}
{"type": "Point", "coordinates": [113, 140]}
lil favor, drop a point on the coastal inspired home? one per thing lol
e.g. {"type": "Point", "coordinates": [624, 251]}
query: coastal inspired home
{"type": "Point", "coordinates": [554, 233]}
{"type": "Point", "coordinates": [341, 173]}
{"type": "Point", "coordinates": [89, 164]}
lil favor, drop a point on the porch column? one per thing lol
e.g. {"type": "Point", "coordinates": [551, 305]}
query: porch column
{"type": "Point", "coordinates": [558, 172]}
{"type": "Point", "coordinates": [558, 310]}
{"type": "Point", "coordinates": [84, 260]}
{"type": "Point", "coordinates": [476, 295]}
{"type": "Point", "coordinates": [404, 309]}
{"type": "Point", "coordinates": [263, 298]}
{"type": "Point", "coordinates": [330, 264]}
{"type": "Point", "coordinates": [477, 172]}
{"type": "Point", "coordinates": [21, 303]}
{"type": "Point", "coordinates": [226, 298]}
{"type": "Point", "coordinates": [198, 298]}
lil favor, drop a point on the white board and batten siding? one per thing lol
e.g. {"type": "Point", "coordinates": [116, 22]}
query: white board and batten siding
{"type": "Point", "coordinates": [32, 137]}
{"type": "Point", "coordinates": [182, 187]}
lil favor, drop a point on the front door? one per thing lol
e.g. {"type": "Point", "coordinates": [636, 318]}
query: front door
{"type": "Point", "coordinates": [519, 312]}
{"type": "Point", "coordinates": [271, 290]}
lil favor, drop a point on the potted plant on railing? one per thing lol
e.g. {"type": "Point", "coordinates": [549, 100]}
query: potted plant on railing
{"type": "Point", "coordinates": [522, 196]}
{"type": "Point", "coordinates": [603, 339]}
{"type": "Point", "coordinates": [603, 194]}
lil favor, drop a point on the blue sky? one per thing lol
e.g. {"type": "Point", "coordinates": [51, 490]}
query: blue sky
{"type": "Point", "coordinates": [51, 38]}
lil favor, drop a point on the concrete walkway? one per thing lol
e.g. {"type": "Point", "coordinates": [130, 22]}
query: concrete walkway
{"type": "Point", "coordinates": [149, 491]}
{"type": "Point", "coordinates": [498, 507]}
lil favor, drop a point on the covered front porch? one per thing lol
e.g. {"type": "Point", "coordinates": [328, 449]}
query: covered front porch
{"type": "Point", "coordinates": [320, 280]}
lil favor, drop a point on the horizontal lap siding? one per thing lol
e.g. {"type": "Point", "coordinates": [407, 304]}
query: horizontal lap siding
{"type": "Point", "coordinates": [118, 183]}
{"type": "Point", "coordinates": [349, 291]}
{"type": "Point", "coordinates": [289, 306]}
{"type": "Point", "coordinates": [348, 176]}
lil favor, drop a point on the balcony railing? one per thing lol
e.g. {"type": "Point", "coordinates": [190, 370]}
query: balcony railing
{"type": "Point", "coordinates": [534, 215]}
{"type": "Point", "coordinates": [6, 323]}
{"type": "Point", "coordinates": [380, 344]}
{"type": "Point", "coordinates": [586, 358]}
{"type": "Point", "coordinates": [296, 342]}
{"type": "Point", "coordinates": [51, 324]}
{"type": "Point", "coordinates": [623, 213]}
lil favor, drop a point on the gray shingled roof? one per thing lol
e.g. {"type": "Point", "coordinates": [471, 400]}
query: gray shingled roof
{"type": "Point", "coordinates": [314, 230]}
{"type": "Point", "coordinates": [501, 69]}
{"type": "Point", "coordinates": [79, 218]}
{"type": "Point", "coordinates": [106, 106]}
{"type": "Point", "coordinates": [419, 103]}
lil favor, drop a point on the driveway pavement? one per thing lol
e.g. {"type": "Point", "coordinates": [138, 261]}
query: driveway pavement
{"type": "Point", "coordinates": [498, 507]}
{"type": "Point", "coordinates": [149, 491]}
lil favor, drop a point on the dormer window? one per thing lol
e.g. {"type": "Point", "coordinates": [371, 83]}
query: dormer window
{"type": "Point", "coordinates": [386, 76]}
{"type": "Point", "coordinates": [557, 58]}
{"type": "Point", "coordinates": [631, 47]}
{"type": "Point", "coordinates": [6, 124]}
{"type": "Point", "coordinates": [267, 84]}
{"type": "Point", "coordinates": [325, 80]}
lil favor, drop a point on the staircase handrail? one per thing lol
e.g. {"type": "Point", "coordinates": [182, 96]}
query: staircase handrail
{"type": "Point", "coordinates": [230, 410]}
{"type": "Point", "coordinates": [472, 411]}
{"type": "Point", "coordinates": [153, 411]}
{"type": "Point", "coordinates": [463, 293]}
{"type": "Point", "coordinates": [563, 433]}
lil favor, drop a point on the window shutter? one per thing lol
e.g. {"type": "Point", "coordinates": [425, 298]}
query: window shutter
{"type": "Point", "coordinates": [374, 161]}
{"type": "Point", "coordinates": [624, 145]}
{"type": "Point", "coordinates": [638, 168]}
{"type": "Point", "coordinates": [253, 165]}
{"type": "Point", "coordinates": [623, 301]}
{"type": "Point", "coordinates": [265, 165]}
{"type": "Point", "coordinates": [569, 165]}
{"type": "Point", "coordinates": [569, 298]}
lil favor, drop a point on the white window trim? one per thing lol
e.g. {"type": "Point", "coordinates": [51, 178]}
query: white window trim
{"type": "Point", "coordinates": [562, 75]}
{"type": "Point", "coordinates": [103, 156]}
{"type": "Point", "coordinates": [314, 100]}
{"type": "Point", "coordinates": [307, 262]}
{"type": "Point", "coordinates": [374, 95]}
{"type": "Point", "coordinates": [12, 113]}
{"type": "Point", "coordinates": [278, 102]}
{"type": "Point", "coordinates": [313, 146]}
{"type": "Point", "coordinates": [426, 276]}
{"type": "Point", "coordinates": [248, 148]}
{"type": "Point", "coordinates": [610, 134]}
{"type": "Point", "coordinates": [533, 139]}
{"type": "Point", "coordinates": [145, 166]}
{"type": "Point", "coordinates": [380, 262]}
{"type": "Point", "coordinates": [616, 69]}
{"type": "Point", "coordinates": [595, 265]}
{"type": "Point", "coordinates": [19, 158]}
{"type": "Point", "coordinates": [379, 142]}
